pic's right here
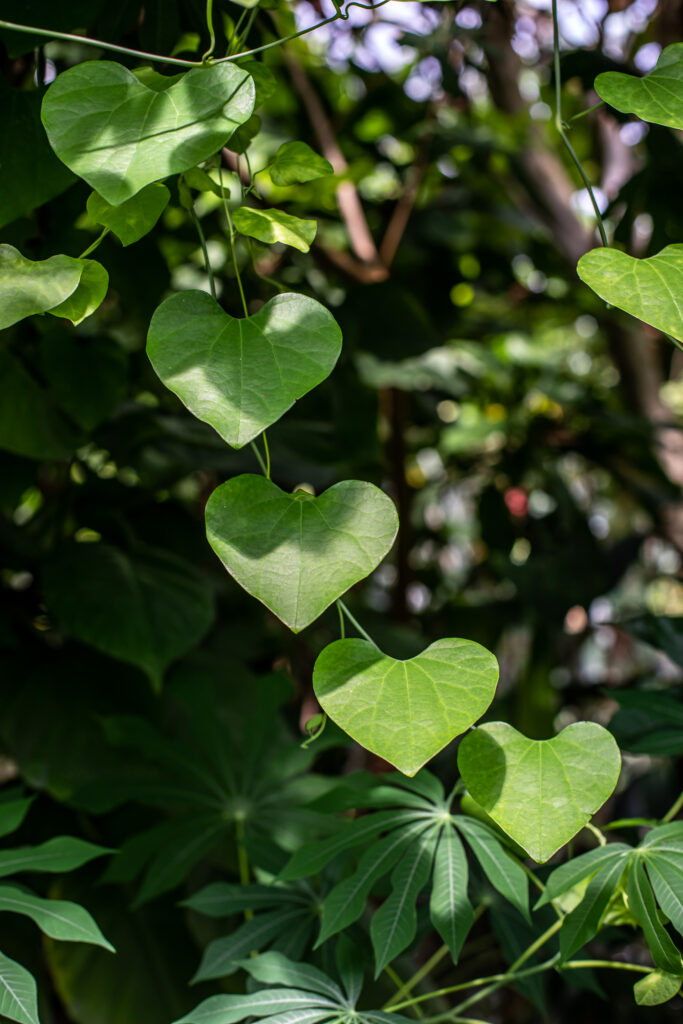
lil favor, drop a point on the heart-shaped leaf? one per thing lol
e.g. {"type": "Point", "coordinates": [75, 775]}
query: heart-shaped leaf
{"type": "Point", "coordinates": [296, 162]}
{"type": "Point", "coordinates": [296, 553]}
{"type": "Point", "coordinates": [120, 133]}
{"type": "Point", "coordinates": [134, 218]}
{"type": "Point", "coordinates": [405, 711]}
{"type": "Point", "coordinates": [61, 285]}
{"type": "Point", "coordinates": [272, 226]}
{"type": "Point", "coordinates": [241, 375]}
{"type": "Point", "coordinates": [540, 792]}
{"type": "Point", "coordinates": [650, 288]}
{"type": "Point", "coordinates": [658, 97]}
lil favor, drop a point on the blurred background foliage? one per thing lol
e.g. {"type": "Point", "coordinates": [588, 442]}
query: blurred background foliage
{"type": "Point", "coordinates": [529, 436]}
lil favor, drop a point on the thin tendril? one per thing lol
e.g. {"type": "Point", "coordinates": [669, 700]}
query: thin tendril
{"type": "Point", "coordinates": [354, 622]}
{"type": "Point", "coordinates": [559, 124]}
{"type": "Point", "coordinates": [205, 252]}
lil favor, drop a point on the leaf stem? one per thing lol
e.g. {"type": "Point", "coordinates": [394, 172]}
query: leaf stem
{"type": "Point", "coordinates": [602, 839]}
{"type": "Point", "coordinates": [617, 965]}
{"type": "Point", "coordinates": [354, 622]}
{"type": "Point", "coordinates": [589, 110]}
{"type": "Point", "coordinates": [427, 967]}
{"type": "Point", "coordinates": [242, 861]}
{"type": "Point", "coordinates": [205, 251]}
{"type": "Point", "coordinates": [212, 34]}
{"type": "Point", "coordinates": [267, 451]}
{"type": "Point", "coordinates": [673, 810]}
{"type": "Point", "coordinates": [396, 978]}
{"type": "Point", "coordinates": [231, 239]}
{"type": "Point", "coordinates": [559, 125]}
{"type": "Point", "coordinates": [94, 245]}
{"type": "Point", "coordinates": [258, 455]}
{"type": "Point", "coordinates": [342, 624]}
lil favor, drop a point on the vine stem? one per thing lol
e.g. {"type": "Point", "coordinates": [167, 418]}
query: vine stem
{"type": "Point", "coordinates": [242, 861]}
{"type": "Point", "coordinates": [212, 34]}
{"type": "Point", "coordinates": [673, 810]}
{"type": "Point", "coordinates": [233, 254]}
{"type": "Point", "coordinates": [354, 622]}
{"type": "Point", "coordinates": [258, 455]}
{"type": "Point", "coordinates": [94, 245]}
{"type": "Point", "coordinates": [205, 252]}
{"type": "Point", "coordinates": [559, 125]}
{"type": "Point", "coordinates": [158, 58]}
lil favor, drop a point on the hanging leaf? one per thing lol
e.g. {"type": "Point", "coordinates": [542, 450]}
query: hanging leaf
{"type": "Point", "coordinates": [146, 608]}
{"type": "Point", "coordinates": [540, 792]}
{"type": "Point", "coordinates": [60, 285]}
{"type": "Point", "coordinates": [642, 904]}
{"type": "Point", "coordinates": [579, 926]}
{"type": "Point", "coordinates": [63, 853]}
{"type": "Point", "coordinates": [135, 217]}
{"type": "Point", "coordinates": [256, 529]}
{"type": "Point", "coordinates": [241, 375]}
{"type": "Point", "coordinates": [656, 988]}
{"type": "Point", "coordinates": [657, 97]}
{"type": "Point", "coordinates": [576, 870]}
{"type": "Point", "coordinates": [272, 226]}
{"type": "Point", "coordinates": [502, 870]}
{"type": "Point", "coordinates": [12, 813]}
{"type": "Point", "coordinates": [59, 919]}
{"type": "Point", "coordinates": [648, 289]}
{"type": "Point", "coordinates": [405, 711]}
{"type": "Point", "coordinates": [120, 133]}
{"type": "Point", "coordinates": [223, 956]}
{"type": "Point", "coordinates": [219, 899]}
{"type": "Point", "coordinates": [296, 162]}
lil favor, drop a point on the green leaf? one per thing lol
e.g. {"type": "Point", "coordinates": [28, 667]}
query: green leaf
{"type": "Point", "coordinates": [665, 872]}
{"type": "Point", "coordinates": [296, 162]}
{"type": "Point", "coordinates": [63, 853]}
{"type": "Point", "coordinates": [540, 792]}
{"type": "Point", "coordinates": [656, 988]}
{"type": "Point", "coordinates": [649, 289]}
{"type": "Point", "coordinates": [665, 836]}
{"type": "Point", "coordinates": [312, 857]}
{"type": "Point", "coordinates": [394, 925]}
{"type": "Point", "coordinates": [88, 296]}
{"type": "Point", "coordinates": [13, 813]}
{"type": "Point", "coordinates": [346, 901]}
{"type": "Point", "coordinates": [87, 376]}
{"type": "Point", "coordinates": [658, 97]}
{"type": "Point", "coordinates": [579, 926]}
{"type": "Point", "coordinates": [59, 285]}
{"type": "Point", "coordinates": [350, 963]}
{"type": "Point", "coordinates": [30, 173]}
{"type": "Point", "coordinates": [265, 82]}
{"type": "Point", "coordinates": [147, 608]}
{"type": "Point", "coordinates": [502, 870]}
{"type": "Point", "coordinates": [577, 869]}
{"type": "Point", "coordinates": [327, 543]}
{"type": "Point", "coordinates": [18, 995]}
{"type": "Point", "coordinates": [449, 907]}
{"type": "Point", "coordinates": [276, 969]}
{"type": "Point", "coordinates": [135, 217]}
{"type": "Point", "coordinates": [222, 956]}
{"type": "Point", "coordinates": [30, 424]}
{"type": "Point", "coordinates": [642, 904]}
{"type": "Point", "coordinates": [59, 919]}
{"type": "Point", "coordinates": [229, 1009]}
{"type": "Point", "coordinates": [272, 226]}
{"type": "Point", "coordinates": [223, 898]}
{"type": "Point", "coordinates": [405, 711]}
{"type": "Point", "coordinates": [241, 375]}
{"type": "Point", "coordinates": [121, 134]}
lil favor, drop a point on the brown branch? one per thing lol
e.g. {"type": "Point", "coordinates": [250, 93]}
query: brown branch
{"type": "Point", "coordinates": [398, 222]}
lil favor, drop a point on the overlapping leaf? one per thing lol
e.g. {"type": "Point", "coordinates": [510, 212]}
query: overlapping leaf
{"type": "Point", "coordinates": [61, 285]}
{"type": "Point", "coordinates": [120, 133]}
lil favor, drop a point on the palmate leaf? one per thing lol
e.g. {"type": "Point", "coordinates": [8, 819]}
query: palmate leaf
{"type": "Point", "coordinates": [540, 792]}
{"type": "Point", "coordinates": [219, 899]}
{"type": "Point", "coordinates": [579, 926]}
{"type": "Point", "coordinates": [62, 853]}
{"type": "Point", "coordinates": [503, 871]}
{"type": "Point", "coordinates": [18, 995]}
{"type": "Point", "coordinates": [120, 133]}
{"type": "Point", "coordinates": [59, 919]}
{"type": "Point", "coordinates": [394, 925]}
{"type": "Point", "coordinates": [307, 995]}
{"type": "Point", "coordinates": [449, 907]}
{"type": "Point", "coordinates": [579, 868]}
{"type": "Point", "coordinates": [642, 904]}
{"type": "Point", "coordinates": [222, 957]}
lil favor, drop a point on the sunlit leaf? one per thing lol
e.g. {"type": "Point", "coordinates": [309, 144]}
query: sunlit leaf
{"type": "Point", "coordinates": [657, 97]}
{"type": "Point", "coordinates": [61, 285]}
{"type": "Point", "coordinates": [272, 226]}
{"type": "Point", "coordinates": [296, 162]}
{"type": "Point", "coordinates": [18, 996]}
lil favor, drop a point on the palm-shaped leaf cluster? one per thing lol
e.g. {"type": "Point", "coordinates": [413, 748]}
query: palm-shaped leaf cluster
{"type": "Point", "coordinates": [413, 837]}
{"type": "Point", "coordinates": [293, 994]}
{"type": "Point", "coordinates": [650, 874]}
